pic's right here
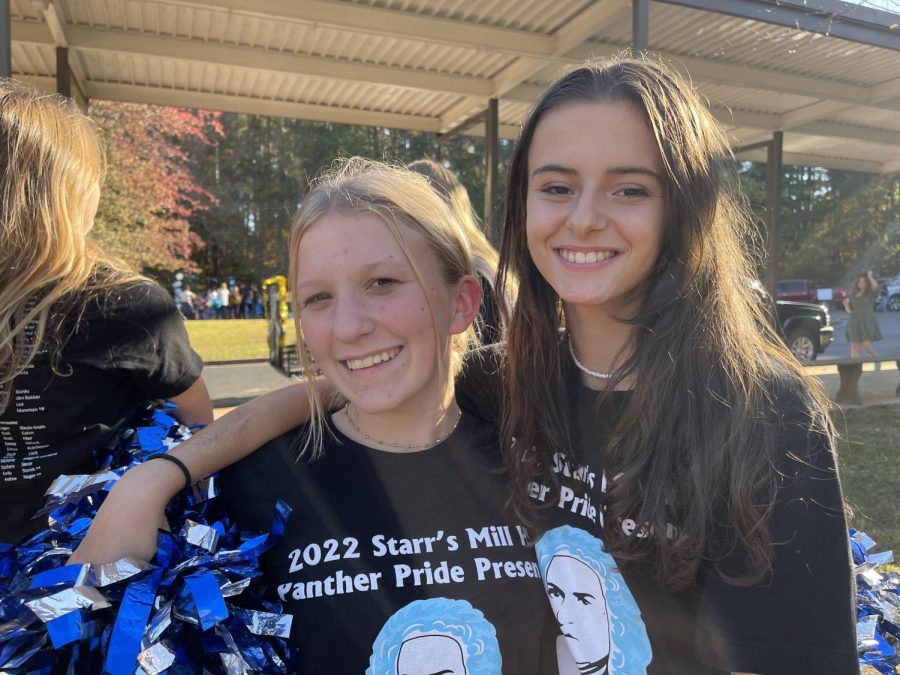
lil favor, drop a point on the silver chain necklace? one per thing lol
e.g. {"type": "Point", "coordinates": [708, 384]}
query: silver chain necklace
{"type": "Point", "coordinates": [402, 445]}
{"type": "Point", "coordinates": [584, 369]}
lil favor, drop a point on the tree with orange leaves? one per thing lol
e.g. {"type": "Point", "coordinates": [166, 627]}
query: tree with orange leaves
{"type": "Point", "coordinates": [150, 192]}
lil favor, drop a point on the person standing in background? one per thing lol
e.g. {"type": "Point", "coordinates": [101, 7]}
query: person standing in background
{"type": "Point", "coordinates": [862, 326]}
{"type": "Point", "coordinates": [246, 303]}
{"type": "Point", "coordinates": [187, 303]}
{"type": "Point", "coordinates": [234, 302]}
{"type": "Point", "coordinates": [222, 296]}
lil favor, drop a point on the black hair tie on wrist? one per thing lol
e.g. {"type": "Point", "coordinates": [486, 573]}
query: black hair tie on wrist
{"type": "Point", "coordinates": [177, 462]}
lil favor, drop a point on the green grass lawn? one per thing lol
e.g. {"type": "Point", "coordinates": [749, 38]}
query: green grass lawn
{"type": "Point", "coordinates": [230, 340]}
{"type": "Point", "coordinates": [869, 457]}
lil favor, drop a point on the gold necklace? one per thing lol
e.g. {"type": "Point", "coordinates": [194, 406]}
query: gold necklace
{"type": "Point", "coordinates": [402, 445]}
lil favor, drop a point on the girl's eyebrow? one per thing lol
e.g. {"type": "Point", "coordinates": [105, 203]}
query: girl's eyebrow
{"type": "Point", "coordinates": [643, 170]}
{"type": "Point", "coordinates": [373, 267]}
{"type": "Point", "coordinates": [553, 168]}
{"type": "Point", "coordinates": [616, 170]}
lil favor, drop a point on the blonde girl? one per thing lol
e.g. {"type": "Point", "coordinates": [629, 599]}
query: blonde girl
{"type": "Point", "coordinates": [84, 342]}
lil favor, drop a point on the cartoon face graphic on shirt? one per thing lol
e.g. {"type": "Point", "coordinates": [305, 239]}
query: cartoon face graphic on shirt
{"type": "Point", "coordinates": [431, 655]}
{"type": "Point", "coordinates": [601, 630]}
{"type": "Point", "coordinates": [579, 605]}
{"type": "Point", "coordinates": [438, 636]}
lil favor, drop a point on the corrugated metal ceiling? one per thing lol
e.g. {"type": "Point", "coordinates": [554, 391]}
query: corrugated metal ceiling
{"type": "Point", "coordinates": [430, 64]}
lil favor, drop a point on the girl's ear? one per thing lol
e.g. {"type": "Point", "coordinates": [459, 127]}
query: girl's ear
{"type": "Point", "coordinates": [468, 302]}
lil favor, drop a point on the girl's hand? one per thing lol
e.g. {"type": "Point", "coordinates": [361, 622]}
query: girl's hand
{"type": "Point", "coordinates": [133, 511]}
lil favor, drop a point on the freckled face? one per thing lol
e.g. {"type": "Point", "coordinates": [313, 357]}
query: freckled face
{"type": "Point", "coordinates": [364, 315]}
{"type": "Point", "coordinates": [596, 202]}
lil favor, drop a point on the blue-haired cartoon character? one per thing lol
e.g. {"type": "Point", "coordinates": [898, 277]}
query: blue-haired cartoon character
{"type": "Point", "coordinates": [436, 636]}
{"type": "Point", "coordinates": [600, 623]}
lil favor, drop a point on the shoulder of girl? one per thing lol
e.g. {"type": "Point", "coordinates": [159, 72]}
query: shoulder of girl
{"type": "Point", "coordinates": [136, 296]}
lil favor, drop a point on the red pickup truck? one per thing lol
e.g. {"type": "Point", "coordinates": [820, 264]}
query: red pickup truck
{"type": "Point", "coordinates": [796, 290]}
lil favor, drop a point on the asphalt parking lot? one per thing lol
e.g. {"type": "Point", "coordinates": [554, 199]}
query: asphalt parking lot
{"type": "Point", "coordinates": [840, 348]}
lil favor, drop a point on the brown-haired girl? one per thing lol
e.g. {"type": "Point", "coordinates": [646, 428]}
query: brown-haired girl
{"type": "Point", "coordinates": [650, 418]}
{"type": "Point", "coordinates": [862, 326]}
{"type": "Point", "coordinates": [645, 393]}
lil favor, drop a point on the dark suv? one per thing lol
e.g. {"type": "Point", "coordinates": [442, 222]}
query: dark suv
{"type": "Point", "coordinates": [806, 328]}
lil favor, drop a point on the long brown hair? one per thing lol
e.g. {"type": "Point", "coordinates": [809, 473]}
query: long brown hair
{"type": "Point", "coordinates": [871, 285]}
{"type": "Point", "coordinates": [51, 161]}
{"type": "Point", "coordinates": [695, 444]}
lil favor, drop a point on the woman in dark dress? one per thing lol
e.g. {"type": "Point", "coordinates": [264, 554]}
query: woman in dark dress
{"type": "Point", "coordinates": [862, 326]}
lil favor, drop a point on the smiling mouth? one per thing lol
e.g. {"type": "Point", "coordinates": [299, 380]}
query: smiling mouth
{"type": "Point", "coordinates": [586, 258]}
{"type": "Point", "coordinates": [372, 359]}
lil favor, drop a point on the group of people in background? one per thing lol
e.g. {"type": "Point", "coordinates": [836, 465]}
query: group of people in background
{"type": "Point", "coordinates": [635, 477]}
{"type": "Point", "coordinates": [225, 301]}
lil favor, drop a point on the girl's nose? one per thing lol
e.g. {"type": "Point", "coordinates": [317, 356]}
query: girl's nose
{"type": "Point", "coordinates": [351, 320]}
{"type": "Point", "coordinates": [587, 214]}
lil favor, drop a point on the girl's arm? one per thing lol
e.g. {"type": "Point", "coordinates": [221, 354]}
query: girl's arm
{"type": "Point", "coordinates": [134, 509]}
{"type": "Point", "coordinates": [193, 406]}
{"type": "Point", "coordinates": [243, 430]}
{"type": "Point", "coordinates": [873, 284]}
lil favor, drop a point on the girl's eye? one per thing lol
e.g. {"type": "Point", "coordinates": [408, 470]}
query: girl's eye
{"type": "Point", "coordinates": [315, 299]}
{"type": "Point", "coordinates": [556, 190]}
{"type": "Point", "coordinates": [633, 191]}
{"type": "Point", "coordinates": [382, 282]}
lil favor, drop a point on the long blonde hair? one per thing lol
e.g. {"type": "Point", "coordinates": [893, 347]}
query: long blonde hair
{"type": "Point", "coordinates": [51, 162]}
{"type": "Point", "coordinates": [398, 197]}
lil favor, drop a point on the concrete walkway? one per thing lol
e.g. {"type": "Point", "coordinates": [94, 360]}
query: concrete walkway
{"type": "Point", "coordinates": [233, 384]}
{"type": "Point", "coordinates": [876, 387]}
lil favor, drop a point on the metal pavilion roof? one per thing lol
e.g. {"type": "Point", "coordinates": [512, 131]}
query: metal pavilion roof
{"type": "Point", "coordinates": [829, 76]}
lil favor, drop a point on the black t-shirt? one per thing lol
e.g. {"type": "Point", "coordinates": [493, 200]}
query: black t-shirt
{"type": "Point", "coordinates": [396, 560]}
{"type": "Point", "coordinates": [799, 621]}
{"type": "Point", "coordinates": [129, 346]}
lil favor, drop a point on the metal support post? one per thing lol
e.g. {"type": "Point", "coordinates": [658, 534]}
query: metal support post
{"type": "Point", "coordinates": [640, 25]}
{"type": "Point", "coordinates": [491, 151]}
{"type": "Point", "coordinates": [773, 210]}
{"type": "Point", "coordinates": [5, 39]}
{"type": "Point", "coordinates": [63, 72]}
